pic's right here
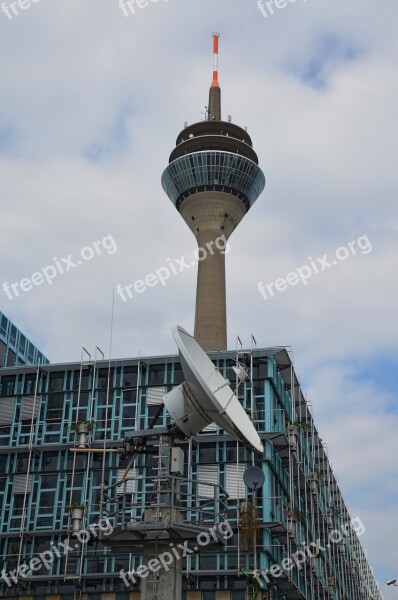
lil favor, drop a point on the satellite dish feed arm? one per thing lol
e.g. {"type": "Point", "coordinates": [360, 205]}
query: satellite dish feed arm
{"type": "Point", "coordinates": [220, 387]}
{"type": "Point", "coordinates": [228, 403]}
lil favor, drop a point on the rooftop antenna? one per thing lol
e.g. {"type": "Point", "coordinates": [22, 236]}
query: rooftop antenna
{"type": "Point", "coordinates": [205, 112]}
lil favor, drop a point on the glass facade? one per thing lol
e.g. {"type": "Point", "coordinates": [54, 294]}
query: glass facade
{"type": "Point", "coordinates": [213, 170]}
{"type": "Point", "coordinates": [41, 480]}
{"type": "Point", "coordinates": [15, 349]}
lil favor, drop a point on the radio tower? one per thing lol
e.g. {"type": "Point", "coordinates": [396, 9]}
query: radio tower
{"type": "Point", "coordinates": [213, 179]}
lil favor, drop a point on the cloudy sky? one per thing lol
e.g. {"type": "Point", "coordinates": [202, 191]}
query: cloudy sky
{"type": "Point", "coordinates": [92, 101]}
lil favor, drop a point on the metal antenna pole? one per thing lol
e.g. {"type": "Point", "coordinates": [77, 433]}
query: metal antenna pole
{"type": "Point", "coordinates": [102, 500]}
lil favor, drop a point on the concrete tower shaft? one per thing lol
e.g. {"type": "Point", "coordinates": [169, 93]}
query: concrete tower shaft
{"type": "Point", "coordinates": [212, 217]}
{"type": "Point", "coordinates": [213, 179]}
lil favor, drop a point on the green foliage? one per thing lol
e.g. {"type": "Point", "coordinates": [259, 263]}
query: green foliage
{"type": "Point", "coordinates": [76, 426]}
{"type": "Point", "coordinates": [77, 505]}
{"type": "Point", "coordinates": [248, 526]}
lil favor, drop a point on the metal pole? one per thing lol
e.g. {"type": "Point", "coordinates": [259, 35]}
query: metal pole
{"type": "Point", "coordinates": [23, 519]}
{"type": "Point", "coordinates": [252, 404]}
{"type": "Point", "coordinates": [189, 489]}
{"type": "Point", "coordinates": [104, 449]}
{"type": "Point", "coordinates": [88, 459]}
{"type": "Point", "coordinates": [84, 351]}
{"type": "Point", "coordinates": [238, 340]}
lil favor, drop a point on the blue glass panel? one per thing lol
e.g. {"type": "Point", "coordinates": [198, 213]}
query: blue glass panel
{"type": "Point", "coordinates": [213, 168]}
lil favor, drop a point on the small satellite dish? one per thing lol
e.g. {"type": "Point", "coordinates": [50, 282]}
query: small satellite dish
{"type": "Point", "coordinates": [254, 478]}
{"type": "Point", "coordinates": [205, 396]}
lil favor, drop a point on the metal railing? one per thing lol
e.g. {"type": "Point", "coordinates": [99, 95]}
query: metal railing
{"type": "Point", "coordinates": [126, 501]}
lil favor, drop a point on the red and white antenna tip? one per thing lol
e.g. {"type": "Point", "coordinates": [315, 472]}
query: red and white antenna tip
{"type": "Point", "coordinates": [216, 37]}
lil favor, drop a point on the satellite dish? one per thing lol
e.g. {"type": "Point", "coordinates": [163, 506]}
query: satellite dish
{"type": "Point", "coordinates": [254, 478]}
{"type": "Point", "coordinates": [206, 396]}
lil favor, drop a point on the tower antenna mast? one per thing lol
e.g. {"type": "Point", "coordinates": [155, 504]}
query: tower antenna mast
{"type": "Point", "coordinates": [216, 37]}
{"type": "Point", "coordinates": [215, 90]}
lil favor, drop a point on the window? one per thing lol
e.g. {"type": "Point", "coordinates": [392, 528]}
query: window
{"type": "Point", "coordinates": [7, 385]}
{"type": "Point", "coordinates": [11, 358]}
{"type": "Point", "coordinates": [22, 482]}
{"type": "Point", "coordinates": [54, 407]}
{"type": "Point", "coordinates": [154, 395]}
{"type": "Point", "coordinates": [56, 382]}
{"type": "Point", "coordinates": [85, 380]}
{"type": "Point", "coordinates": [178, 374]}
{"type": "Point", "coordinates": [156, 375]}
{"type": "Point", "coordinates": [13, 335]}
{"type": "Point", "coordinates": [22, 463]}
{"type": "Point", "coordinates": [128, 416]}
{"type": "Point", "coordinates": [3, 350]}
{"type": "Point", "coordinates": [50, 461]}
{"type": "Point", "coordinates": [49, 481]}
{"type": "Point", "coordinates": [7, 409]}
{"type": "Point", "coordinates": [30, 352]}
{"type": "Point", "coordinates": [3, 325]}
{"type": "Point", "coordinates": [21, 344]}
{"type": "Point", "coordinates": [42, 544]}
{"type": "Point", "coordinates": [231, 452]}
{"type": "Point", "coordinates": [130, 376]}
{"type": "Point", "coordinates": [153, 411]}
{"type": "Point", "coordinates": [260, 368]}
{"type": "Point", "coordinates": [29, 408]}
{"type": "Point", "coordinates": [207, 474]}
{"type": "Point", "coordinates": [207, 453]}
{"type": "Point", "coordinates": [47, 501]}
{"type": "Point", "coordinates": [3, 464]}
{"type": "Point", "coordinates": [234, 484]}
{"type": "Point", "coordinates": [29, 386]}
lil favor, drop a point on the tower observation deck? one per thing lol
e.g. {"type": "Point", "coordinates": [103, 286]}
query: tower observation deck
{"type": "Point", "coordinates": [213, 179]}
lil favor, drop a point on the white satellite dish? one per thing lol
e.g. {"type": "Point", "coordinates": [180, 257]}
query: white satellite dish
{"type": "Point", "coordinates": [206, 396]}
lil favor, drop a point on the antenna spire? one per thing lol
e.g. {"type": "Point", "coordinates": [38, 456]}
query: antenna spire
{"type": "Point", "coordinates": [216, 37]}
{"type": "Point", "coordinates": [215, 90]}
